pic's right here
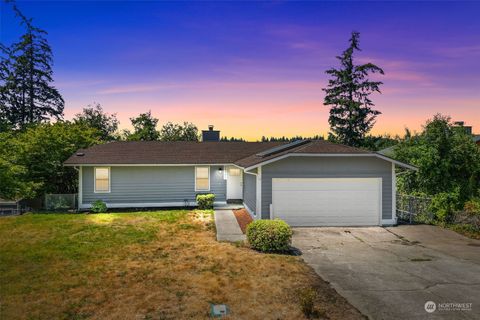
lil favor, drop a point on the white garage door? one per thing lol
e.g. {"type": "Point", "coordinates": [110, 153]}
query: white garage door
{"type": "Point", "coordinates": [327, 201]}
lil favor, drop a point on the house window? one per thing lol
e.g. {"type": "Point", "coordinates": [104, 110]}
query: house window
{"type": "Point", "coordinates": [102, 179]}
{"type": "Point", "coordinates": [202, 178]}
{"type": "Point", "coordinates": [234, 172]}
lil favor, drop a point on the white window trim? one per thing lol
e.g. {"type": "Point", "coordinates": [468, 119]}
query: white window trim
{"type": "Point", "coordinates": [196, 189]}
{"type": "Point", "coordinates": [95, 180]}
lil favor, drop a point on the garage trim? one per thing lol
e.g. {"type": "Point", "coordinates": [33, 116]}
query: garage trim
{"type": "Point", "coordinates": [393, 221]}
{"type": "Point", "coordinates": [376, 155]}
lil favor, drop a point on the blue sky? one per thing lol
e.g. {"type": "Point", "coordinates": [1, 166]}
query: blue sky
{"type": "Point", "coordinates": [245, 66]}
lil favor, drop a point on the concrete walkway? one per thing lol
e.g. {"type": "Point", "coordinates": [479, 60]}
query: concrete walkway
{"type": "Point", "coordinates": [227, 226]}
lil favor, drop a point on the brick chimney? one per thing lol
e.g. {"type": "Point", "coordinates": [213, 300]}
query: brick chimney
{"type": "Point", "coordinates": [210, 134]}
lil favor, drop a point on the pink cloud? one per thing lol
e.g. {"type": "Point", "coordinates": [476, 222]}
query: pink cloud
{"type": "Point", "coordinates": [210, 85]}
{"type": "Point", "coordinates": [460, 52]}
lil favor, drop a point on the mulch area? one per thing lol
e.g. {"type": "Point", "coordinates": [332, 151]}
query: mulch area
{"type": "Point", "coordinates": [243, 218]}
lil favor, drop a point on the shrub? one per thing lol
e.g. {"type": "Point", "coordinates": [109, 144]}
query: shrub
{"type": "Point", "coordinates": [99, 206]}
{"type": "Point", "coordinates": [205, 201]}
{"type": "Point", "coordinates": [269, 235]}
{"type": "Point", "coordinates": [444, 205]}
{"type": "Point", "coordinates": [472, 206]}
{"type": "Point", "coordinates": [307, 298]}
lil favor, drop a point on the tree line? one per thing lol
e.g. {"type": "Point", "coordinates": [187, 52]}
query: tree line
{"type": "Point", "coordinates": [28, 96]}
{"type": "Point", "coordinates": [35, 140]}
{"type": "Point", "coordinates": [144, 127]}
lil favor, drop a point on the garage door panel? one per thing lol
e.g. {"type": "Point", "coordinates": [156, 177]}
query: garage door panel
{"type": "Point", "coordinates": [340, 211]}
{"type": "Point", "coordinates": [326, 184]}
{"type": "Point", "coordinates": [327, 202]}
{"type": "Point", "coordinates": [303, 221]}
{"type": "Point", "coordinates": [325, 194]}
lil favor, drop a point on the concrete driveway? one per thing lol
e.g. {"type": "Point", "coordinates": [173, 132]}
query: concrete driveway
{"type": "Point", "coordinates": [390, 273]}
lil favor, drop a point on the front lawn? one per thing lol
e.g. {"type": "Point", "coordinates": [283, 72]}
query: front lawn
{"type": "Point", "coordinates": [146, 265]}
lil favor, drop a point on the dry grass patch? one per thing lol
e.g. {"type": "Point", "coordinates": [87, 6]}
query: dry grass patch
{"type": "Point", "coordinates": [147, 265]}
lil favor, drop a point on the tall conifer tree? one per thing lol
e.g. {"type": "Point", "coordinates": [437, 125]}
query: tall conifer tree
{"type": "Point", "coordinates": [26, 91]}
{"type": "Point", "coordinates": [348, 95]}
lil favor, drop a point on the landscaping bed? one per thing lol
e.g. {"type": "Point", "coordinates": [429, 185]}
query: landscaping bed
{"type": "Point", "coordinates": [147, 265]}
{"type": "Point", "coordinates": [243, 218]}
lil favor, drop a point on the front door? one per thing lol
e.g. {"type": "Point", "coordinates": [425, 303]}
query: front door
{"type": "Point", "coordinates": [234, 183]}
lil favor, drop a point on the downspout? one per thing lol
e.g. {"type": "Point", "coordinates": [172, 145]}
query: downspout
{"type": "Point", "coordinates": [80, 186]}
{"type": "Point", "coordinates": [257, 212]}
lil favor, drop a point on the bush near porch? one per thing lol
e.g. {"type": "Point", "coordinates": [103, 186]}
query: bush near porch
{"type": "Point", "coordinates": [205, 201]}
{"type": "Point", "coordinates": [269, 235]}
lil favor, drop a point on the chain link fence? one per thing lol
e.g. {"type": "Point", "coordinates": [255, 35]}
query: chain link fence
{"type": "Point", "coordinates": [61, 202]}
{"type": "Point", "coordinates": [414, 209]}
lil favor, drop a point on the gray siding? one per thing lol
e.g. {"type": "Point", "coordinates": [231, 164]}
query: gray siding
{"type": "Point", "coordinates": [151, 185]}
{"type": "Point", "coordinates": [250, 191]}
{"type": "Point", "coordinates": [328, 167]}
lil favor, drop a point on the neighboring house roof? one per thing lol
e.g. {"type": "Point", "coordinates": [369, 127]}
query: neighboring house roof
{"type": "Point", "coordinates": [476, 138]}
{"type": "Point", "coordinates": [7, 202]}
{"type": "Point", "coordinates": [243, 154]}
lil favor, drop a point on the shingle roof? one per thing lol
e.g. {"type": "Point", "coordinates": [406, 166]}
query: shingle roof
{"type": "Point", "coordinates": [160, 152]}
{"type": "Point", "coordinates": [312, 147]}
{"type": "Point", "coordinates": [182, 152]}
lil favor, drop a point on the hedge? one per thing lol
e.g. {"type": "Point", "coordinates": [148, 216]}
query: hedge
{"type": "Point", "coordinates": [99, 207]}
{"type": "Point", "coordinates": [269, 235]}
{"type": "Point", "coordinates": [205, 201]}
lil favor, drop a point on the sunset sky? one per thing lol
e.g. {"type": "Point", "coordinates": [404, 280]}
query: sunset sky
{"type": "Point", "coordinates": [258, 68]}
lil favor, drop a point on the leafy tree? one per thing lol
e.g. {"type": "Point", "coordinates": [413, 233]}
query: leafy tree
{"type": "Point", "coordinates": [26, 93]}
{"type": "Point", "coordinates": [34, 158]}
{"type": "Point", "coordinates": [145, 128]}
{"type": "Point", "coordinates": [4, 124]}
{"type": "Point", "coordinates": [14, 184]}
{"type": "Point", "coordinates": [376, 143]}
{"type": "Point", "coordinates": [176, 132]}
{"type": "Point", "coordinates": [106, 124]}
{"type": "Point", "coordinates": [447, 158]}
{"type": "Point", "coordinates": [348, 95]}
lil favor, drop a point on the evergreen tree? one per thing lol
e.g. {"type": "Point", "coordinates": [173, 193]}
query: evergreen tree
{"type": "Point", "coordinates": [26, 93]}
{"type": "Point", "coordinates": [348, 95]}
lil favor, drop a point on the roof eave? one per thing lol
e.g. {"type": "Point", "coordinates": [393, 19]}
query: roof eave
{"type": "Point", "coordinates": [366, 154]}
{"type": "Point", "coordinates": [150, 164]}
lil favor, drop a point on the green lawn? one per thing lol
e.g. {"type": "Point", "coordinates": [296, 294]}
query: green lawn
{"type": "Point", "coordinates": [145, 265]}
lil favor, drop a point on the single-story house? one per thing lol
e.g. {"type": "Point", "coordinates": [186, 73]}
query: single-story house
{"type": "Point", "coordinates": [305, 183]}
